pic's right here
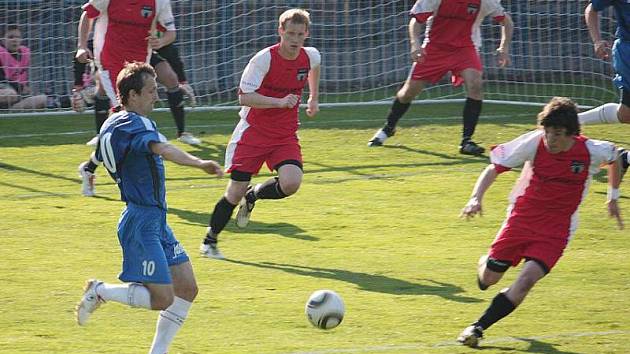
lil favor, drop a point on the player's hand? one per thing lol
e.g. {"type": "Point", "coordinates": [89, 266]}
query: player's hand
{"type": "Point", "coordinates": [83, 55]}
{"type": "Point", "coordinates": [472, 208]}
{"type": "Point", "coordinates": [602, 49]}
{"type": "Point", "coordinates": [312, 107]}
{"type": "Point", "coordinates": [503, 57]}
{"type": "Point", "coordinates": [289, 101]}
{"type": "Point", "coordinates": [614, 212]}
{"type": "Point", "coordinates": [154, 41]}
{"type": "Point", "coordinates": [211, 167]}
{"type": "Point", "coordinates": [190, 94]}
{"type": "Point", "coordinates": [418, 54]}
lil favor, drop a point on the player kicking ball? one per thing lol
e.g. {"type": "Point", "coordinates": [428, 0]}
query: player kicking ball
{"type": "Point", "coordinates": [558, 165]}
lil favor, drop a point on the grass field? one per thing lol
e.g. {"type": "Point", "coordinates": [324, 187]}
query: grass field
{"type": "Point", "coordinates": [379, 226]}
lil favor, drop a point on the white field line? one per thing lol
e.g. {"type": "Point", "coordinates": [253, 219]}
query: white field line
{"type": "Point", "coordinates": [386, 348]}
{"type": "Point", "coordinates": [305, 124]}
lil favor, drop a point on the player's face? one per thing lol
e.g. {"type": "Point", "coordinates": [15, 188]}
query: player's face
{"type": "Point", "coordinates": [147, 97]}
{"type": "Point", "coordinates": [292, 37]}
{"type": "Point", "coordinates": [556, 140]}
{"type": "Point", "coordinates": [12, 40]}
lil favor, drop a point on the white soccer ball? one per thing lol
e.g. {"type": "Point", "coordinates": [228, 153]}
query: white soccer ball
{"type": "Point", "coordinates": [325, 309]}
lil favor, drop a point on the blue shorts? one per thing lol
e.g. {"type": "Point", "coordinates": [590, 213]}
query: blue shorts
{"type": "Point", "coordinates": [148, 244]}
{"type": "Point", "coordinates": [621, 64]}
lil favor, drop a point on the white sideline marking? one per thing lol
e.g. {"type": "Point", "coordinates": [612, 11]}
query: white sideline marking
{"type": "Point", "coordinates": [311, 123]}
{"type": "Point", "coordinates": [453, 343]}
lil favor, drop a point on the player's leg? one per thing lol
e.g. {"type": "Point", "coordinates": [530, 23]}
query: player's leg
{"type": "Point", "coordinates": [401, 104]}
{"type": "Point", "coordinates": [8, 96]}
{"type": "Point", "coordinates": [167, 77]}
{"type": "Point", "coordinates": [223, 210]}
{"type": "Point", "coordinates": [490, 271]}
{"type": "Point", "coordinates": [31, 102]}
{"type": "Point", "coordinates": [185, 290]}
{"type": "Point", "coordinates": [472, 109]}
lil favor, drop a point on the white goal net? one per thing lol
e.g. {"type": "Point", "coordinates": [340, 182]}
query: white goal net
{"type": "Point", "coordinates": [364, 48]}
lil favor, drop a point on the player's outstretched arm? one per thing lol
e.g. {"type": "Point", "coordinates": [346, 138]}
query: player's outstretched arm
{"type": "Point", "coordinates": [484, 181]}
{"type": "Point", "coordinates": [602, 47]}
{"type": "Point", "coordinates": [180, 157]}
{"type": "Point", "coordinates": [313, 88]}
{"type": "Point", "coordinates": [256, 100]}
{"type": "Point", "coordinates": [614, 180]}
{"type": "Point", "coordinates": [507, 30]}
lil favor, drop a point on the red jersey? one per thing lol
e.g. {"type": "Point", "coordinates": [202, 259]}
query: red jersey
{"type": "Point", "coordinates": [271, 75]}
{"type": "Point", "coordinates": [551, 187]}
{"type": "Point", "coordinates": [455, 23]}
{"type": "Point", "coordinates": [122, 28]}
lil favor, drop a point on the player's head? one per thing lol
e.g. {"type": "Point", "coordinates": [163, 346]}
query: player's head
{"type": "Point", "coordinates": [137, 89]}
{"type": "Point", "coordinates": [559, 118]}
{"type": "Point", "coordinates": [293, 28]}
{"type": "Point", "coordinates": [11, 37]}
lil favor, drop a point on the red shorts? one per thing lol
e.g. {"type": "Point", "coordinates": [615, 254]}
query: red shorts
{"type": "Point", "coordinates": [514, 243]}
{"type": "Point", "coordinates": [440, 60]}
{"type": "Point", "coordinates": [250, 158]}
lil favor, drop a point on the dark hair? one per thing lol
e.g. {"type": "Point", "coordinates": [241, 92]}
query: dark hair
{"type": "Point", "coordinates": [560, 112]}
{"type": "Point", "coordinates": [132, 77]}
{"type": "Point", "coordinates": [9, 27]}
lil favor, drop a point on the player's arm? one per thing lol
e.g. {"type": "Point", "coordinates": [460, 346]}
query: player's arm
{"type": "Point", "coordinates": [313, 89]}
{"type": "Point", "coordinates": [180, 157]}
{"type": "Point", "coordinates": [415, 31]}
{"type": "Point", "coordinates": [252, 79]}
{"type": "Point", "coordinates": [602, 47]}
{"type": "Point", "coordinates": [484, 181]}
{"type": "Point", "coordinates": [85, 27]}
{"type": "Point", "coordinates": [507, 30]}
{"type": "Point", "coordinates": [614, 180]}
{"type": "Point", "coordinates": [256, 100]}
{"type": "Point", "coordinates": [156, 42]}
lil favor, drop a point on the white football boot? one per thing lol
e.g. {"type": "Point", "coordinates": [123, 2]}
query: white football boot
{"type": "Point", "coordinates": [89, 302]}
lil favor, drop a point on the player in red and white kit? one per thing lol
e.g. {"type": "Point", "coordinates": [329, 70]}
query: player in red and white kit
{"type": "Point", "coordinates": [558, 164]}
{"type": "Point", "coordinates": [269, 91]}
{"type": "Point", "coordinates": [451, 42]}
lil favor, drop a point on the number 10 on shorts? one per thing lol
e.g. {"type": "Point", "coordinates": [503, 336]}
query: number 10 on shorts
{"type": "Point", "coordinates": [148, 267]}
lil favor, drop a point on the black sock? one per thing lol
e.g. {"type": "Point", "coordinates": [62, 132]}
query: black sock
{"type": "Point", "coordinates": [176, 105]}
{"type": "Point", "coordinates": [101, 111]}
{"type": "Point", "coordinates": [500, 307]}
{"type": "Point", "coordinates": [395, 113]}
{"type": "Point", "coordinates": [91, 166]}
{"type": "Point", "coordinates": [472, 110]}
{"type": "Point", "coordinates": [270, 190]}
{"type": "Point", "coordinates": [220, 216]}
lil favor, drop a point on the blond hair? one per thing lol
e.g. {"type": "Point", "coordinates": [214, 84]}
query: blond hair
{"type": "Point", "coordinates": [296, 16]}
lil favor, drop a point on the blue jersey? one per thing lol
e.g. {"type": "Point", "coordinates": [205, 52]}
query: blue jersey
{"type": "Point", "coordinates": [622, 13]}
{"type": "Point", "coordinates": [124, 148]}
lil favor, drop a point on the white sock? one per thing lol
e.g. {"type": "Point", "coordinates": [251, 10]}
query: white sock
{"type": "Point", "coordinates": [169, 322]}
{"type": "Point", "coordinates": [132, 294]}
{"type": "Point", "coordinates": [605, 114]}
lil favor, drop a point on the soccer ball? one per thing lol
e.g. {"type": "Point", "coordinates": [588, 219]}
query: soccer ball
{"type": "Point", "coordinates": [325, 309]}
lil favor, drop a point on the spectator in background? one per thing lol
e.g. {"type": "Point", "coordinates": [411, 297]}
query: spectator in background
{"type": "Point", "coordinates": [15, 59]}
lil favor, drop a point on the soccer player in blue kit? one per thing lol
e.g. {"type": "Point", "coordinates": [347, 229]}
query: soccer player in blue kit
{"type": "Point", "coordinates": [156, 270]}
{"type": "Point", "coordinates": [611, 112]}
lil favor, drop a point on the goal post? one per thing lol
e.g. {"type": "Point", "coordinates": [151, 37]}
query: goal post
{"type": "Point", "coordinates": [364, 46]}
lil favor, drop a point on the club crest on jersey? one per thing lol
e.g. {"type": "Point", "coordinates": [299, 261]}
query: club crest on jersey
{"type": "Point", "coordinates": [301, 74]}
{"type": "Point", "coordinates": [577, 167]}
{"type": "Point", "coordinates": [146, 11]}
{"type": "Point", "coordinates": [472, 8]}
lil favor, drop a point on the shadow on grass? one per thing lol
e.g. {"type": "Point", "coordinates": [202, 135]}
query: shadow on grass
{"type": "Point", "coordinates": [372, 282]}
{"type": "Point", "coordinates": [254, 227]}
{"type": "Point", "coordinates": [535, 346]}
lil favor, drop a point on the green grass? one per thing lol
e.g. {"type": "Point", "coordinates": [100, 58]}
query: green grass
{"type": "Point", "coordinates": [379, 226]}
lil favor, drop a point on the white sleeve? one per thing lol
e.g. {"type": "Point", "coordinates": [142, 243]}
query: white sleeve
{"type": "Point", "coordinates": [601, 152]}
{"type": "Point", "coordinates": [165, 15]}
{"type": "Point", "coordinates": [99, 5]}
{"type": "Point", "coordinates": [492, 8]}
{"type": "Point", "coordinates": [255, 72]}
{"type": "Point", "coordinates": [425, 6]}
{"type": "Point", "coordinates": [514, 153]}
{"type": "Point", "coordinates": [314, 57]}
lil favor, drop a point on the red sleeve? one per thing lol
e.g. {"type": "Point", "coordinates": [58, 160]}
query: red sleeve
{"type": "Point", "coordinates": [422, 17]}
{"type": "Point", "coordinates": [499, 19]}
{"type": "Point", "coordinates": [91, 11]}
{"type": "Point", "coordinates": [500, 168]}
{"type": "Point", "coordinates": [160, 27]}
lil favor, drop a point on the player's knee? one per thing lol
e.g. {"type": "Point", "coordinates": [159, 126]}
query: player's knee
{"type": "Point", "coordinates": [290, 187]}
{"type": "Point", "coordinates": [624, 114]}
{"type": "Point", "coordinates": [162, 300]}
{"type": "Point", "coordinates": [188, 291]}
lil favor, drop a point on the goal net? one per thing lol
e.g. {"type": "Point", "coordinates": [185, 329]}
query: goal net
{"type": "Point", "coordinates": [364, 46]}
